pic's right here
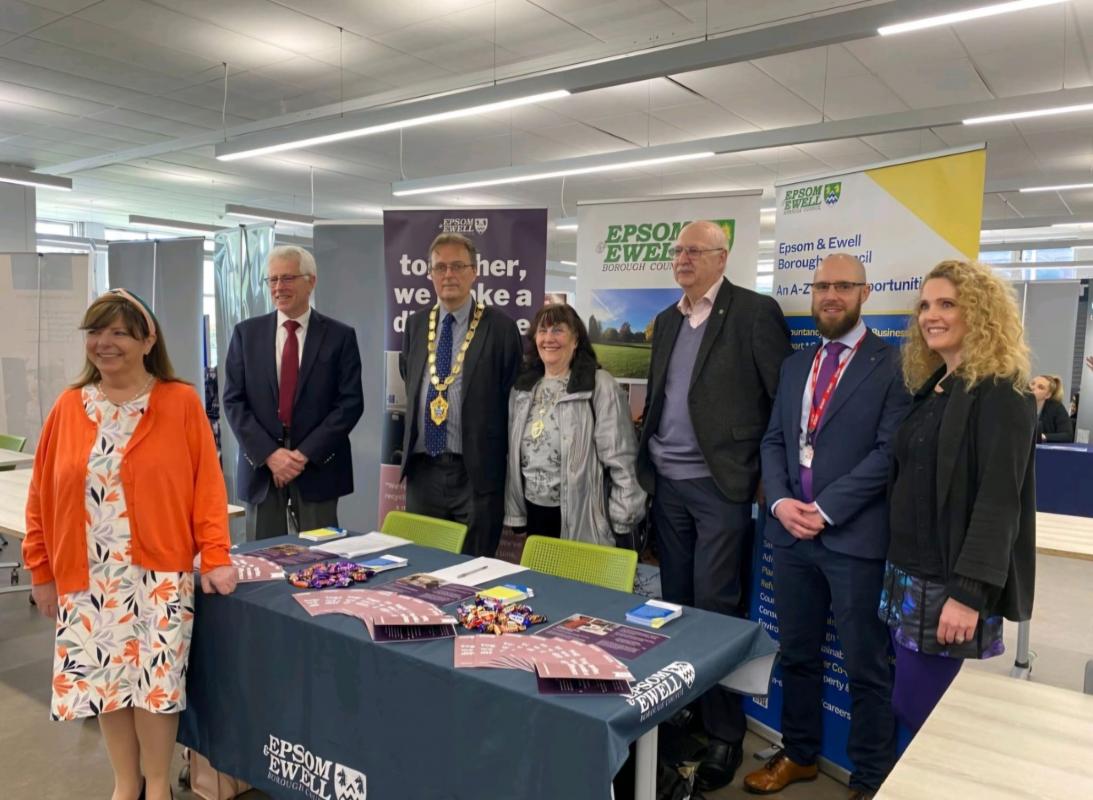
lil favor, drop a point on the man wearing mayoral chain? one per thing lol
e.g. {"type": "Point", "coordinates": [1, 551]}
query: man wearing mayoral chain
{"type": "Point", "coordinates": [459, 360]}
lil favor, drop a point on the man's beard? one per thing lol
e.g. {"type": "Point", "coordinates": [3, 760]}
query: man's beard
{"type": "Point", "coordinates": [838, 328]}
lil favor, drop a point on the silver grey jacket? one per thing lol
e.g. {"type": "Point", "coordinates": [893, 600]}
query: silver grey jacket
{"type": "Point", "coordinates": [587, 455]}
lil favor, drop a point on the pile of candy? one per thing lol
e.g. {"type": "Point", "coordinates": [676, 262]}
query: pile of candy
{"type": "Point", "coordinates": [331, 573]}
{"type": "Point", "coordinates": [490, 616]}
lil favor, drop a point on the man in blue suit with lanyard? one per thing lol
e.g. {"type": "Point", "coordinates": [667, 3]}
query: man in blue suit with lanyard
{"type": "Point", "coordinates": [292, 394]}
{"type": "Point", "coordinates": [825, 473]}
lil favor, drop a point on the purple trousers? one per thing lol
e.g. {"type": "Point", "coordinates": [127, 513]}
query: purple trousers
{"type": "Point", "coordinates": [921, 679]}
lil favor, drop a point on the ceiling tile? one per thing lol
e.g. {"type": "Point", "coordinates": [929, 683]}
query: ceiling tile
{"type": "Point", "coordinates": [939, 83]}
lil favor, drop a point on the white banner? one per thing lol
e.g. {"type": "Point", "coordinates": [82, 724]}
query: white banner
{"type": "Point", "coordinates": [900, 218]}
{"type": "Point", "coordinates": [624, 272]}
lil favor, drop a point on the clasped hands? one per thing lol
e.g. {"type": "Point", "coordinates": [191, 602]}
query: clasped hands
{"type": "Point", "coordinates": [802, 520]}
{"type": "Point", "coordinates": [286, 465]}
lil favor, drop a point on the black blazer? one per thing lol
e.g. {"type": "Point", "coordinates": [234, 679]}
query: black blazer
{"type": "Point", "coordinates": [489, 370]}
{"type": "Point", "coordinates": [732, 387]}
{"type": "Point", "coordinates": [986, 492]}
{"type": "Point", "coordinates": [329, 401]}
{"type": "Point", "coordinates": [1054, 423]}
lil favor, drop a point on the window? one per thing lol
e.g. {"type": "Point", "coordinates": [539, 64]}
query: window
{"type": "Point", "coordinates": [119, 235]}
{"type": "Point", "coordinates": [208, 301]}
{"type": "Point", "coordinates": [53, 228]}
{"type": "Point", "coordinates": [997, 256]}
{"type": "Point", "coordinates": [1048, 255]}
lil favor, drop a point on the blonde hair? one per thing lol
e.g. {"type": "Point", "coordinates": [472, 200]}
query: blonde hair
{"type": "Point", "coordinates": [994, 346]}
{"type": "Point", "coordinates": [1056, 384]}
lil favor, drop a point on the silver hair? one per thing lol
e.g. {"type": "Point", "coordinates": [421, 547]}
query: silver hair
{"type": "Point", "coordinates": [290, 252]}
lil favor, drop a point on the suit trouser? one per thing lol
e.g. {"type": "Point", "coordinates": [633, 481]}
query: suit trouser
{"type": "Point", "coordinates": [269, 518]}
{"type": "Point", "coordinates": [704, 540]}
{"type": "Point", "coordinates": [809, 578]}
{"type": "Point", "coordinates": [440, 487]}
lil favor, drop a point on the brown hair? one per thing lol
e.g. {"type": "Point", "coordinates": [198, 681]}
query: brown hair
{"type": "Point", "coordinates": [557, 314]}
{"type": "Point", "coordinates": [459, 239]}
{"type": "Point", "coordinates": [114, 307]}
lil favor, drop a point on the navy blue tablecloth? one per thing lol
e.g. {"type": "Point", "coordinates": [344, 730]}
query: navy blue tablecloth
{"type": "Point", "coordinates": [1064, 479]}
{"type": "Point", "coordinates": [310, 707]}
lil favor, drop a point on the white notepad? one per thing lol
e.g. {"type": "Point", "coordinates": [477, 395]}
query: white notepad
{"type": "Point", "coordinates": [355, 546]}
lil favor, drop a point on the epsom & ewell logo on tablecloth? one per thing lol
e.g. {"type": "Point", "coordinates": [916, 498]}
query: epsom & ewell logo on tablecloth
{"type": "Point", "coordinates": [295, 767]}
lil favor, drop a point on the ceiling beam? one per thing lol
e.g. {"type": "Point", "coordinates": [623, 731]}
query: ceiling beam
{"type": "Point", "coordinates": [815, 31]}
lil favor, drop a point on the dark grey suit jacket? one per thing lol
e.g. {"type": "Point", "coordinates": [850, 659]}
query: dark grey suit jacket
{"type": "Point", "coordinates": [732, 387]}
{"type": "Point", "coordinates": [489, 370]}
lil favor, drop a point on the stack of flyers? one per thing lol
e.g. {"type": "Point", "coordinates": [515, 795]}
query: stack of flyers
{"type": "Point", "coordinates": [383, 563]}
{"type": "Point", "coordinates": [253, 568]}
{"type": "Point", "coordinates": [291, 555]}
{"type": "Point", "coordinates": [431, 589]}
{"type": "Point", "coordinates": [561, 667]}
{"type": "Point", "coordinates": [387, 616]}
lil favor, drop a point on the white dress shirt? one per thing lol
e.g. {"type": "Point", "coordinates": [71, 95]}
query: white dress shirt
{"type": "Point", "coordinates": [282, 336]}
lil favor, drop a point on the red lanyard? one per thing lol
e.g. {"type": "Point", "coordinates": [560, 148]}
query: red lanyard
{"type": "Point", "coordinates": [816, 410]}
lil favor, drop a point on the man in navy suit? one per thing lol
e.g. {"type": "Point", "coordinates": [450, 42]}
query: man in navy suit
{"type": "Point", "coordinates": [292, 394]}
{"type": "Point", "coordinates": [825, 471]}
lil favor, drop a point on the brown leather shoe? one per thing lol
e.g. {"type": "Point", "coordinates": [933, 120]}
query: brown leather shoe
{"type": "Point", "coordinates": [778, 773]}
{"type": "Point", "coordinates": [859, 794]}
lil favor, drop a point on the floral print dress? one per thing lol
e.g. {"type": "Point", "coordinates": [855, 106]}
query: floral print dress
{"type": "Point", "coordinates": [124, 642]}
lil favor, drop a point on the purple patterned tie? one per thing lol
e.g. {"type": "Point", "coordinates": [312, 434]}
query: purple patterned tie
{"type": "Point", "coordinates": [827, 369]}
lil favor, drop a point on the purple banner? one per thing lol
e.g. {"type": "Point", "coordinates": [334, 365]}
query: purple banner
{"type": "Point", "coordinates": [511, 277]}
{"type": "Point", "coordinates": [511, 261]}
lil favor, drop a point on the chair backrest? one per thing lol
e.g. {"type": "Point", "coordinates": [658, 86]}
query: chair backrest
{"type": "Point", "coordinates": [426, 531]}
{"type": "Point", "coordinates": [609, 567]}
{"type": "Point", "coordinates": [10, 442]}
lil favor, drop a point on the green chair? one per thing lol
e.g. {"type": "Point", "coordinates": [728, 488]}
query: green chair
{"type": "Point", "coordinates": [9, 442]}
{"type": "Point", "coordinates": [609, 567]}
{"type": "Point", "coordinates": [426, 531]}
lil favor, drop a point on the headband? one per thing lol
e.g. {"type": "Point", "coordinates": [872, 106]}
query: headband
{"type": "Point", "coordinates": [141, 306]}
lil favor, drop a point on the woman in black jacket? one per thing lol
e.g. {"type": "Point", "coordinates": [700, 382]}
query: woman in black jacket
{"type": "Point", "coordinates": [1053, 421]}
{"type": "Point", "coordinates": [962, 497]}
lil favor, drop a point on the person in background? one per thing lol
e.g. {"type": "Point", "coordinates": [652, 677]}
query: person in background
{"type": "Point", "coordinates": [713, 372]}
{"type": "Point", "coordinates": [962, 492]}
{"type": "Point", "coordinates": [825, 471]}
{"type": "Point", "coordinates": [459, 360]}
{"type": "Point", "coordinates": [1052, 419]}
{"type": "Point", "coordinates": [292, 394]}
{"type": "Point", "coordinates": [572, 447]}
{"type": "Point", "coordinates": [126, 490]}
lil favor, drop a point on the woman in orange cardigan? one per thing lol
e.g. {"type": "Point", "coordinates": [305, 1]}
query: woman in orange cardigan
{"type": "Point", "coordinates": [126, 490]}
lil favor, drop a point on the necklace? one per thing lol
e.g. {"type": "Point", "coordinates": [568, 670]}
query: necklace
{"type": "Point", "coordinates": [539, 425]}
{"type": "Point", "coordinates": [141, 391]}
{"type": "Point", "coordinates": [438, 408]}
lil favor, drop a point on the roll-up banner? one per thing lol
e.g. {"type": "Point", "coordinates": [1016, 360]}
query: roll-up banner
{"type": "Point", "coordinates": [511, 277]}
{"type": "Point", "coordinates": [900, 218]}
{"type": "Point", "coordinates": [624, 271]}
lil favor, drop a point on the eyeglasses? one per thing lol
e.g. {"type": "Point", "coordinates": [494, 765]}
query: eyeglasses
{"type": "Point", "coordinates": [286, 280]}
{"type": "Point", "coordinates": [440, 268]}
{"type": "Point", "coordinates": [692, 251]}
{"type": "Point", "coordinates": [555, 330]}
{"type": "Point", "coordinates": [840, 287]}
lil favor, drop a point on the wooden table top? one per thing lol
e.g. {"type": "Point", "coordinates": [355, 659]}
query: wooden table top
{"type": "Point", "coordinates": [14, 487]}
{"type": "Point", "coordinates": [993, 736]}
{"type": "Point", "coordinates": [1064, 535]}
{"type": "Point", "coordinates": [12, 458]}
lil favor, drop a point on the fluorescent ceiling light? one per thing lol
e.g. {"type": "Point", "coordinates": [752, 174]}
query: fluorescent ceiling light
{"type": "Point", "coordinates": [1070, 224]}
{"type": "Point", "coordinates": [770, 210]}
{"type": "Point", "coordinates": [249, 212]}
{"type": "Point", "coordinates": [573, 277]}
{"type": "Point", "coordinates": [539, 176]}
{"type": "Point", "coordinates": [158, 223]}
{"type": "Point", "coordinates": [566, 227]}
{"type": "Point", "coordinates": [1062, 187]}
{"type": "Point", "coordinates": [10, 173]}
{"type": "Point", "coordinates": [766, 241]}
{"type": "Point", "coordinates": [570, 263]}
{"type": "Point", "coordinates": [961, 16]}
{"type": "Point", "coordinates": [369, 130]}
{"type": "Point", "coordinates": [1040, 112]}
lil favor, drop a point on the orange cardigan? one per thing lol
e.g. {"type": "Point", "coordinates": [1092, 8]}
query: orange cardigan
{"type": "Point", "coordinates": [170, 474]}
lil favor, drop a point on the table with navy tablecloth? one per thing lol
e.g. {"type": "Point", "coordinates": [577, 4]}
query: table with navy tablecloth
{"type": "Point", "coordinates": [311, 707]}
{"type": "Point", "coordinates": [1064, 479]}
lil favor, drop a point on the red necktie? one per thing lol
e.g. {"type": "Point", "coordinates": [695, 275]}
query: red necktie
{"type": "Point", "coordinates": [290, 371]}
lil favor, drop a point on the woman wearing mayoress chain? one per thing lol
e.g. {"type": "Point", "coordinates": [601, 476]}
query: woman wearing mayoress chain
{"type": "Point", "coordinates": [126, 490]}
{"type": "Point", "coordinates": [569, 431]}
{"type": "Point", "coordinates": [962, 496]}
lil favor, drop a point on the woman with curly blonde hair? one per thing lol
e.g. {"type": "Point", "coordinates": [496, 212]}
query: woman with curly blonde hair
{"type": "Point", "coordinates": [962, 498]}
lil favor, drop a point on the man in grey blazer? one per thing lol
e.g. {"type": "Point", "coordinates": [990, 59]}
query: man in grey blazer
{"type": "Point", "coordinates": [459, 360]}
{"type": "Point", "coordinates": [712, 379]}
